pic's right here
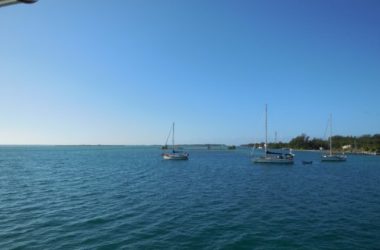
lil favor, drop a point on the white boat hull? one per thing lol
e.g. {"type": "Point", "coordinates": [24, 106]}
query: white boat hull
{"type": "Point", "coordinates": [175, 156]}
{"type": "Point", "coordinates": [333, 158]}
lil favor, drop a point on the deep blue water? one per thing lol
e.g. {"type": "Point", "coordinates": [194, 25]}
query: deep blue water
{"type": "Point", "coordinates": [128, 198]}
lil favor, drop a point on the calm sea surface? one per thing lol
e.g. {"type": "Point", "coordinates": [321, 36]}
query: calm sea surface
{"type": "Point", "coordinates": [128, 198]}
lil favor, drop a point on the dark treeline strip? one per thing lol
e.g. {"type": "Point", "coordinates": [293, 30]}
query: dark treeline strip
{"type": "Point", "coordinates": [370, 143]}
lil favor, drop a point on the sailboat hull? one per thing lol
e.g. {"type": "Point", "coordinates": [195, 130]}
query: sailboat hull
{"type": "Point", "coordinates": [175, 156]}
{"type": "Point", "coordinates": [272, 160]}
{"type": "Point", "coordinates": [333, 158]}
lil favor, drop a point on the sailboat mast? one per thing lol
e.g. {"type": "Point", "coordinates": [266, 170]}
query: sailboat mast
{"type": "Point", "coordinates": [330, 134]}
{"type": "Point", "coordinates": [266, 128]}
{"type": "Point", "coordinates": [173, 137]}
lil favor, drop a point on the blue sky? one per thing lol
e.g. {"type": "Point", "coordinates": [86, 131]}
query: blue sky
{"type": "Point", "coordinates": [120, 72]}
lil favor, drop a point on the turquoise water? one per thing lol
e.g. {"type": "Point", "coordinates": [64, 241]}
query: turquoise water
{"type": "Point", "coordinates": [128, 198]}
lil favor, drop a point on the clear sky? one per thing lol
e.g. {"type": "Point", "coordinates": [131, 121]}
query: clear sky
{"type": "Point", "coordinates": [121, 71]}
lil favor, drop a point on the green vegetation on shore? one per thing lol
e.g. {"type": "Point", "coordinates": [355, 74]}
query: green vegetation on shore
{"type": "Point", "coordinates": [364, 143]}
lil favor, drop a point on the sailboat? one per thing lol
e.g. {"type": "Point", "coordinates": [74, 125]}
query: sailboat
{"type": "Point", "coordinates": [273, 157]}
{"type": "Point", "coordinates": [331, 156]}
{"type": "Point", "coordinates": [174, 155]}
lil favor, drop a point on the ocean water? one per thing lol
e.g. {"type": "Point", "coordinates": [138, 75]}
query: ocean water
{"type": "Point", "coordinates": [104, 197]}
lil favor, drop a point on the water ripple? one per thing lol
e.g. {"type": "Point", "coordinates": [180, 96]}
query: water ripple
{"type": "Point", "coordinates": [125, 197]}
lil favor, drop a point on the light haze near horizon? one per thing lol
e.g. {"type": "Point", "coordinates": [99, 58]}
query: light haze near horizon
{"type": "Point", "coordinates": [120, 72]}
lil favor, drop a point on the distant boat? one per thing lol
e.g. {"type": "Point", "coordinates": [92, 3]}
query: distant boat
{"type": "Point", "coordinates": [332, 157]}
{"type": "Point", "coordinates": [273, 157]}
{"type": "Point", "coordinates": [174, 155]}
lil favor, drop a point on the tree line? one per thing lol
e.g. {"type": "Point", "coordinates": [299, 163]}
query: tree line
{"type": "Point", "coordinates": [368, 143]}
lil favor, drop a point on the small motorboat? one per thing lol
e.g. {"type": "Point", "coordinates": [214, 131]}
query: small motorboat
{"type": "Point", "coordinates": [307, 162]}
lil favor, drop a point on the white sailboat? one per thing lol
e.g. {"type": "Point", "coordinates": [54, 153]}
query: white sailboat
{"type": "Point", "coordinates": [330, 156]}
{"type": "Point", "coordinates": [175, 155]}
{"type": "Point", "coordinates": [272, 157]}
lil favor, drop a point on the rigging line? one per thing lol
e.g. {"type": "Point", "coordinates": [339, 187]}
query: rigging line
{"type": "Point", "coordinates": [167, 138]}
